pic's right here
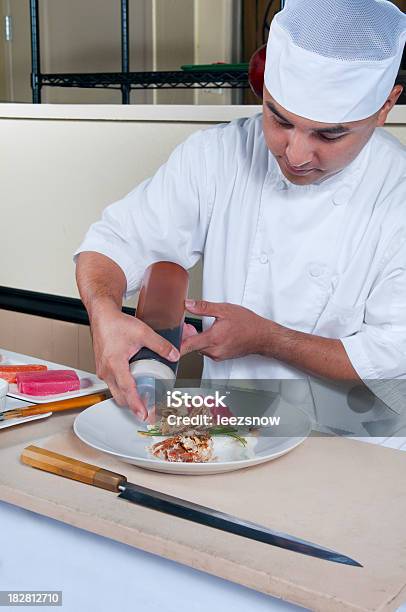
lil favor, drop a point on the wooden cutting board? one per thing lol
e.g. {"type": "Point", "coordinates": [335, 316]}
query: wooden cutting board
{"type": "Point", "coordinates": [342, 494]}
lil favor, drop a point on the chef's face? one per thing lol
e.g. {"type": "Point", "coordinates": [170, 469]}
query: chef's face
{"type": "Point", "coordinates": [308, 151]}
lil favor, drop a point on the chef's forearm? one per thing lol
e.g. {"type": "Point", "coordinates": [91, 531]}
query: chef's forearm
{"type": "Point", "coordinates": [325, 357]}
{"type": "Point", "coordinates": [101, 282]}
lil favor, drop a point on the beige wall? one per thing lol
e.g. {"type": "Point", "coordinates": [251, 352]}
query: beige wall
{"type": "Point", "coordinates": [215, 40]}
{"type": "Point", "coordinates": [58, 341]}
{"type": "Point", "coordinates": [3, 88]}
{"type": "Point", "coordinates": [173, 44]}
{"type": "Point", "coordinates": [79, 36]}
{"type": "Point", "coordinates": [16, 53]}
{"type": "Point", "coordinates": [398, 130]}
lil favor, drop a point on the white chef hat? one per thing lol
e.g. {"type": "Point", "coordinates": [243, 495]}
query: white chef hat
{"type": "Point", "coordinates": [334, 60]}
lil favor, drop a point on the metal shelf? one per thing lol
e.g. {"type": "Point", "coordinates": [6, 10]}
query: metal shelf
{"type": "Point", "coordinates": [125, 80]}
{"type": "Point", "coordinates": [149, 80]}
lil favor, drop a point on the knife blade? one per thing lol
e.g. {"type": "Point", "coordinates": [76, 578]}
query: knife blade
{"type": "Point", "coordinates": [157, 500]}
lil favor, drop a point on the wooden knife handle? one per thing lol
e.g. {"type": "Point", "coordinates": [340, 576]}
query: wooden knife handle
{"type": "Point", "coordinates": [74, 403]}
{"type": "Point", "coordinates": [68, 467]}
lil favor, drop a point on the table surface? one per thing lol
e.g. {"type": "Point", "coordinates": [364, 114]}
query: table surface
{"type": "Point", "coordinates": [97, 573]}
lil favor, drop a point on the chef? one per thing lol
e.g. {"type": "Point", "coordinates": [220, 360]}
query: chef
{"type": "Point", "coordinates": [299, 215]}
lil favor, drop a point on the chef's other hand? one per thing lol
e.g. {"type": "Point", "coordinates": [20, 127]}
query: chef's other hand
{"type": "Point", "coordinates": [188, 331]}
{"type": "Point", "coordinates": [116, 338]}
{"type": "Point", "coordinates": [236, 331]}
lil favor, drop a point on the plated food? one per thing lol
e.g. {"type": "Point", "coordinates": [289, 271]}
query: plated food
{"type": "Point", "coordinates": [191, 448]}
{"type": "Point", "coordinates": [201, 444]}
{"type": "Point", "coordinates": [112, 429]}
{"type": "Point", "coordinates": [202, 449]}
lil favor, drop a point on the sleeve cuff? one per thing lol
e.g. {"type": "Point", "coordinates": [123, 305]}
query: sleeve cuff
{"type": "Point", "coordinates": [390, 391]}
{"type": "Point", "coordinates": [358, 357]}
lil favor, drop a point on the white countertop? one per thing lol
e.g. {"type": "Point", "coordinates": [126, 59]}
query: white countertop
{"type": "Point", "coordinates": [147, 112]}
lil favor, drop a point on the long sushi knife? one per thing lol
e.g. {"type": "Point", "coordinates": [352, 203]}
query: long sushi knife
{"type": "Point", "coordinates": [68, 467]}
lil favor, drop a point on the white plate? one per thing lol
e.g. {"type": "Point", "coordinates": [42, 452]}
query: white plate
{"type": "Point", "coordinates": [12, 404]}
{"type": "Point", "coordinates": [114, 430]}
{"type": "Point", "coordinates": [21, 420]}
{"type": "Point", "coordinates": [89, 383]}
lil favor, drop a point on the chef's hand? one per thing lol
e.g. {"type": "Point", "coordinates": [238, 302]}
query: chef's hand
{"type": "Point", "coordinates": [236, 331]}
{"type": "Point", "coordinates": [188, 332]}
{"type": "Point", "coordinates": [116, 338]}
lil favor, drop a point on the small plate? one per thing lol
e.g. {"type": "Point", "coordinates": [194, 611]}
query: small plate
{"type": "Point", "coordinates": [89, 383]}
{"type": "Point", "coordinates": [12, 404]}
{"type": "Point", "coordinates": [114, 430]}
{"type": "Point", "coordinates": [21, 420]}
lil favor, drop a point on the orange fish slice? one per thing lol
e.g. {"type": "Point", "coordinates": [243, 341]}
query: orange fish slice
{"type": "Point", "coordinates": [9, 372]}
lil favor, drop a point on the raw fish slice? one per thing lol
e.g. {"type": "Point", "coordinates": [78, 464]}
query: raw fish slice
{"type": "Point", "coordinates": [9, 372]}
{"type": "Point", "coordinates": [48, 383]}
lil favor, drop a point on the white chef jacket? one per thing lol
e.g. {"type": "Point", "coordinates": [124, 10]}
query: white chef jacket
{"type": "Point", "coordinates": [327, 259]}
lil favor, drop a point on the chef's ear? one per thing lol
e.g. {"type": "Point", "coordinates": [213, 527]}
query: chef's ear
{"type": "Point", "coordinates": [389, 104]}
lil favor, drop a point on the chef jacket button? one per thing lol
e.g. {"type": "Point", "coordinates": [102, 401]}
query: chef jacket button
{"type": "Point", "coordinates": [316, 270]}
{"type": "Point", "coordinates": [264, 258]}
{"type": "Point", "coordinates": [342, 196]}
